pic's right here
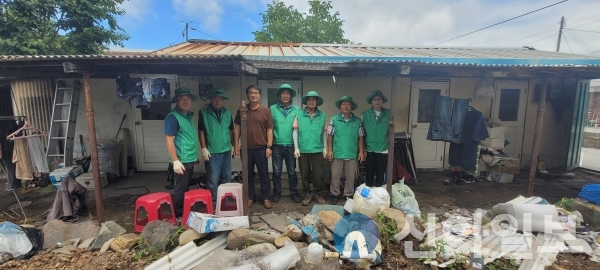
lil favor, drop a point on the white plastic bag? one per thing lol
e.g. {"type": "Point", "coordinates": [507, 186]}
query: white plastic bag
{"type": "Point", "coordinates": [13, 240]}
{"type": "Point", "coordinates": [403, 198]}
{"type": "Point", "coordinates": [368, 200]}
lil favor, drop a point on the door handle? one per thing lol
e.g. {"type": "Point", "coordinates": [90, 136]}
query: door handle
{"type": "Point", "coordinates": [138, 123]}
{"type": "Point", "coordinates": [414, 125]}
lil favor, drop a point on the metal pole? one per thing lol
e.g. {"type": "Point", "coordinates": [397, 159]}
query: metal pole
{"type": "Point", "coordinates": [391, 135]}
{"type": "Point", "coordinates": [89, 112]}
{"type": "Point", "coordinates": [186, 32]}
{"type": "Point", "coordinates": [562, 25]}
{"type": "Point", "coordinates": [535, 149]}
{"type": "Point", "coordinates": [244, 143]}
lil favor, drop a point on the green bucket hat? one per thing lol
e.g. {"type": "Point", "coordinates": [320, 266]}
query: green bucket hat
{"type": "Point", "coordinates": [183, 91]}
{"type": "Point", "coordinates": [288, 87]}
{"type": "Point", "coordinates": [346, 98]}
{"type": "Point", "coordinates": [219, 92]}
{"type": "Point", "coordinates": [376, 93]}
{"type": "Point", "coordinates": [312, 94]}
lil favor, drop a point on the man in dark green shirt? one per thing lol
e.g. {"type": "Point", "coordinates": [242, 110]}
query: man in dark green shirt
{"type": "Point", "coordinates": [376, 121]}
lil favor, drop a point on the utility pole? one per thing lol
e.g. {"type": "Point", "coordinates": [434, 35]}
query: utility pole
{"type": "Point", "coordinates": [562, 25]}
{"type": "Point", "coordinates": [186, 31]}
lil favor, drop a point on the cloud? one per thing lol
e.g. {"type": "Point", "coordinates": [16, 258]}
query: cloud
{"type": "Point", "coordinates": [428, 22]}
{"type": "Point", "coordinates": [136, 12]}
{"type": "Point", "coordinates": [208, 12]}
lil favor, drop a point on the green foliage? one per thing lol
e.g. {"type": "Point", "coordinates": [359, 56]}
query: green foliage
{"type": "Point", "coordinates": [386, 227]}
{"type": "Point", "coordinates": [565, 203]}
{"type": "Point", "coordinates": [283, 23]}
{"type": "Point", "coordinates": [59, 26]}
{"type": "Point", "coordinates": [148, 253]}
{"type": "Point", "coordinates": [502, 264]}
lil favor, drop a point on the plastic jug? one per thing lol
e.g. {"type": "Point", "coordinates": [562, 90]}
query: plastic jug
{"type": "Point", "coordinates": [314, 254]}
{"type": "Point", "coordinates": [368, 200]}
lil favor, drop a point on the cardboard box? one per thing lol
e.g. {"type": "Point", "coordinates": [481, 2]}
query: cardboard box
{"type": "Point", "coordinates": [494, 143]}
{"type": "Point", "coordinates": [496, 132]}
{"type": "Point", "coordinates": [205, 223]}
{"type": "Point", "coordinates": [58, 175]}
{"type": "Point", "coordinates": [87, 180]}
{"type": "Point", "coordinates": [508, 167]}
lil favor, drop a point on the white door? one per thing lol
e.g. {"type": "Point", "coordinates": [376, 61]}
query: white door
{"type": "Point", "coordinates": [269, 97]}
{"type": "Point", "coordinates": [428, 154]}
{"type": "Point", "coordinates": [509, 106]}
{"type": "Point", "coordinates": [150, 142]}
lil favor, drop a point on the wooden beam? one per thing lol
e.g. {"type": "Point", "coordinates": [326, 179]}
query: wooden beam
{"type": "Point", "coordinates": [71, 67]}
{"type": "Point", "coordinates": [241, 66]}
{"type": "Point", "coordinates": [537, 134]}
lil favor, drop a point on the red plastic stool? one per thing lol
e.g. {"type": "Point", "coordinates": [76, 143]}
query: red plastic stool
{"type": "Point", "coordinates": [152, 203]}
{"type": "Point", "coordinates": [191, 197]}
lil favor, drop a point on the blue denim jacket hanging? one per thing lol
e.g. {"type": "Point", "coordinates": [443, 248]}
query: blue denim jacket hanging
{"type": "Point", "coordinates": [448, 120]}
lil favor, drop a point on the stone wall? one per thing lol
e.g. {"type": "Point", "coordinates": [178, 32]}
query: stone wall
{"type": "Point", "coordinates": [591, 140]}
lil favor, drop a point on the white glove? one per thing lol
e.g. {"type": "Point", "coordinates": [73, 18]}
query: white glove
{"type": "Point", "coordinates": [178, 167]}
{"type": "Point", "coordinates": [297, 153]}
{"type": "Point", "coordinates": [324, 152]}
{"type": "Point", "coordinates": [205, 154]}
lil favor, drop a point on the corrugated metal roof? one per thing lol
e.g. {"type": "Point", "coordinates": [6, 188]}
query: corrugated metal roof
{"type": "Point", "coordinates": [336, 53]}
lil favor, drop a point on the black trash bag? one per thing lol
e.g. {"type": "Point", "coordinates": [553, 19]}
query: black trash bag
{"type": "Point", "coordinates": [36, 237]}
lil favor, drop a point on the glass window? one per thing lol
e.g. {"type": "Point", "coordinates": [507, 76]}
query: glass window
{"type": "Point", "coordinates": [509, 105]}
{"type": "Point", "coordinates": [159, 108]}
{"type": "Point", "coordinates": [426, 107]}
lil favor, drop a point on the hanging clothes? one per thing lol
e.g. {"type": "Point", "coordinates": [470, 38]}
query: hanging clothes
{"type": "Point", "coordinates": [7, 127]}
{"type": "Point", "coordinates": [22, 161]}
{"type": "Point", "coordinates": [36, 153]}
{"type": "Point", "coordinates": [448, 119]}
{"type": "Point", "coordinates": [464, 154]}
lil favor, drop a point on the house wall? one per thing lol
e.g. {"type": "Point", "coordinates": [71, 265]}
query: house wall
{"type": "Point", "coordinates": [109, 109]}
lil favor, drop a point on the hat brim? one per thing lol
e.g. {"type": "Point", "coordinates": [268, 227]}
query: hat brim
{"type": "Point", "coordinates": [194, 97]}
{"type": "Point", "coordinates": [339, 101]}
{"type": "Point", "coordinates": [319, 103]}
{"type": "Point", "coordinates": [290, 89]}
{"type": "Point", "coordinates": [217, 95]}
{"type": "Point", "coordinates": [385, 99]}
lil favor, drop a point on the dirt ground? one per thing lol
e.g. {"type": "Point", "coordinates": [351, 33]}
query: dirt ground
{"type": "Point", "coordinates": [432, 195]}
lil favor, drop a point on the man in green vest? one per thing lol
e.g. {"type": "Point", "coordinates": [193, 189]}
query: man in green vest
{"type": "Point", "coordinates": [182, 144]}
{"type": "Point", "coordinates": [376, 121]}
{"type": "Point", "coordinates": [344, 145]}
{"type": "Point", "coordinates": [284, 113]}
{"type": "Point", "coordinates": [310, 135]}
{"type": "Point", "coordinates": [215, 126]}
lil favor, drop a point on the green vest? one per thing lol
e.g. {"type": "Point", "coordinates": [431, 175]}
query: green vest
{"type": "Point", "coordinates": [345, 137]}
{"type": "Point", "coordinates": [376, 131]}
{"type": "Point", "coordinates": [216, 133]}
{"type": "Point", "coordinates": [186, 139]}
{"type": "Point", "coordinates": [310, 132]}
{"type": "Point", "coordinates": [282, 128]}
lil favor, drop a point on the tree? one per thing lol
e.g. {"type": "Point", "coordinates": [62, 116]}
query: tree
{"type": "Point", "coordinates": [283, 23]}
{"type": "Point", "coordinates": [59, 26]}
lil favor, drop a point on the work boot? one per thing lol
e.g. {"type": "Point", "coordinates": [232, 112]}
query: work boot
{"type": "Point", "coordinates": [267, 204]}
{"type": "Point", "coordinates": [277, 197]}
{"type": "Point", "coordinates": [295, 198]}
{"type": "Point", "coordinates": [307, 199]}
{"type": "Point", "coordinates": [333, 200]}
{"type": "Point", "coordinates": [320, 199]}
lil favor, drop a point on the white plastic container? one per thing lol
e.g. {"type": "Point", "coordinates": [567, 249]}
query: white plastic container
{"type": "Point", "coordinates": [314, 254]}
{"type": "Point", "coordinates": [368, 200]}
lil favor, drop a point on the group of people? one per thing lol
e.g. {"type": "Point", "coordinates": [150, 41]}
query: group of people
{"type": "Point", "coordinates": [284, 132]}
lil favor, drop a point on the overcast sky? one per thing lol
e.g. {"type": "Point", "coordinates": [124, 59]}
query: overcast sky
{"type": "Point", "coordinates": [155, 24]}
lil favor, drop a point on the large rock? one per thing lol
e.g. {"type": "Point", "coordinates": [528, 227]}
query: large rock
{"type": "Point", "coordinates": [260, 250]}
{"type": "Point", "coordinates": [109, 230]}
{"type": "Point", "coordinates": [329, 219]}
{"type": "Point", "coordinates": [124, 242]}
{"type": "Point", "coordinates": [86, 244]}
{"type": "Point", "coordinates": [115, 229]}
{"type": "Point", "coordinates": [158, 234]}
{"type": "Point", "coordinates": [241, 238]}
{"type": "Point", "coordinates": [277, 222]}
{"type": "Point", "coordinates": [56, 231]}
{"type": "Point", "coordinates": [282, 241]}
{"type": "Point", "coordinates": [293, 232]}
{"type": "Point", "coordinates": [189, 236]}
{"type": "Point", "coordinates": [308, 220]}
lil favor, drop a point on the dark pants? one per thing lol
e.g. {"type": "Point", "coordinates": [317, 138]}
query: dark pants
{"type": "Point", "coordinates": [284, 153]}
{"type": "Point", "coordinates": [180, 186]}
{"type": "Point", "coordinates": [218, 171]}
{"type": "Point", "coordinates": [376, 165]}
{"type": "Point", "coordinates": [314, 163]}
{"type": "Point", "coordinates": [258, 157]}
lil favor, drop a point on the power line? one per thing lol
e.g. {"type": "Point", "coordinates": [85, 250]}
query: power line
{"type": "Point", "coordinates": [537, 33]}
{"type": "Point", "coordinates": [500, 22]}
{"type": "Point", "coordinates": [582, 30]}
{"type": "Point", "coordinates": [579, 41]}
{"type": "Point", "coordinates": [568, 43]}
{"type": "Point", "coordinates": [204, 33]}
{"type": "Point", "coordinates": [544, 38]}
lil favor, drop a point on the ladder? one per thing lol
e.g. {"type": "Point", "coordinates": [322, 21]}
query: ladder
{"type": "Point", "coordinates": [62, 127]}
